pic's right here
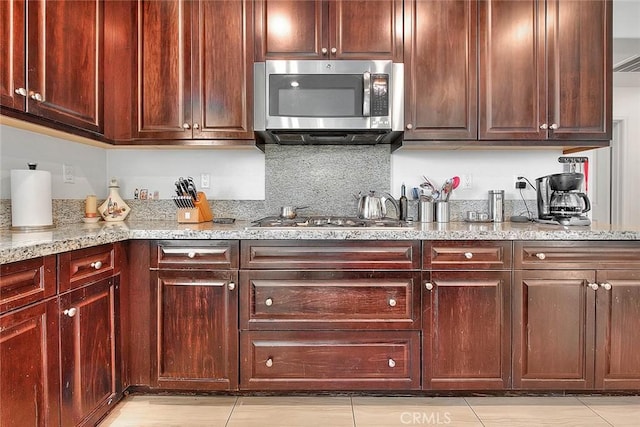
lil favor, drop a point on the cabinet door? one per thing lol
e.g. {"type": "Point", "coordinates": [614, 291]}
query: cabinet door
{"type": "Point", "coordinates": [291, 29]}
{"type": "Point", "coordinates": [222, 69]}
{"type": "Point", "coordinates": [163, 96]}
{"type": "Point", "coordinates": [618, 322]}
{"type": "Point", "coordinates": [512, 70]}
{"type": "Point", "coordinates": [87, 346]}
{"type": "Point", "coordinates": [362, 29]}
{"type": "Point", "coordinates": [197, 330]}
{"type": "Point", "coordinates": [467, 330]}
{"type": "Point", "coordinates": [580, 68]}
{"type": "Point", "coordinates": [12, 52]}
{"type": "Point", "coordinates": [440, 69]}
{"type": "Point", "coordinates": [29, 366]}
{"type": "Point", "coordinates": [65, 41]}
{"type": "Point", "coordinates": [553, 330]}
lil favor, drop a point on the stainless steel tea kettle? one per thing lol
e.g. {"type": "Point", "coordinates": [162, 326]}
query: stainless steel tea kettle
{"type": "Point", "coordinates": [374, 206]}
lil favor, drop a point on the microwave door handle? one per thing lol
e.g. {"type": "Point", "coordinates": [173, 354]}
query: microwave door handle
{"type": "Point", "coordinates": [366, 94]}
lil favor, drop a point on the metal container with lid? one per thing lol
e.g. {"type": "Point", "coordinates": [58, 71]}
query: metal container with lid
{"type": "Point", "coordinates": [496, 205]}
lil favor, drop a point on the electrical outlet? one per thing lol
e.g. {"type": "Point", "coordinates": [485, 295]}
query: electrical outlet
{"type": "Point", "coordinates": [68, 174]}
{"type": "Point", "coordinates": [466, 182]}
{"type": "Point", "coordinates": [205, 180]}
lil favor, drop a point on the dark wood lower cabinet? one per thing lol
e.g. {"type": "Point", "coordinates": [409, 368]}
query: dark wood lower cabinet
{"type": "Point", "coordinates": [196, 329]}
{"type": "Point", "coordinates": [88, 352]}
{"type": "Point", "coordinates": [330, 360]}
{"type": "Point", "coordinates": [29, 379]}
{"type": "Point", "coordinates": [467, 330]}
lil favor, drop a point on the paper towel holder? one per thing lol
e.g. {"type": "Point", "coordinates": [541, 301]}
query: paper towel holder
{"type": "Point", "coordinates": [24, 196]}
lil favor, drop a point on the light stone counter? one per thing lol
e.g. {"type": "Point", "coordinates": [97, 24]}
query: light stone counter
{"type": "Point", "coordinates": [17, 246]}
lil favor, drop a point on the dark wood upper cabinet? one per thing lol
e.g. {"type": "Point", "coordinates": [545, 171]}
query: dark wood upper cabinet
{"type": "Point", "coordinates": [441, 71]}
{"type": "Point", "coordinates": [328, 29]}
{"type": "Point", "coordinates": [55, 52]}
{"type": "Point", "coordinates": [195, 69]}
{"type": "Point", "coordinates": [545, 70]}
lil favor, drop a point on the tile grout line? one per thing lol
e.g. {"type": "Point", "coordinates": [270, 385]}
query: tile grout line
{"type": "Point", "coordinates": [233, 408]}
{"type": "Point", "coordinates": [594, 411]}
{"type": "Point", "coordinates": [473, 410]}
{"type": "Point", "coordinates": [353, 412]}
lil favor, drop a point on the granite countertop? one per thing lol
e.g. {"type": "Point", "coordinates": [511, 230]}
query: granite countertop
{"type": "Point", "coordinates": [18, 246]}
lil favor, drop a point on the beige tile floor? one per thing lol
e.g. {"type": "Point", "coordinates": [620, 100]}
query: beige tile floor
{"type": "Point", "coordinates": [359, 411]}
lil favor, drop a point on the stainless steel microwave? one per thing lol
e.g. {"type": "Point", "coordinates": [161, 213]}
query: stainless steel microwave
{"type": "Point", "coordinates": [328, 102]}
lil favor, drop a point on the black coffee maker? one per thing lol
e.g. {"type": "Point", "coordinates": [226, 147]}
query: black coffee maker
{"type": "Point", "coordinates": [560, 199]}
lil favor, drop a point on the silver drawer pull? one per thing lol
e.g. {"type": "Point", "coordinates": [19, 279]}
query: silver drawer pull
{"type": "Point", "coordinates": [593, 286]}
{"type": "Point", "coordinates": [606, 286]}
{"type": "Point", "coordinates": [392, 302]}
{"type": "Point", "coordinates": [268, 302]}
{"type": "Point", "coordinates": [231, 286]}
{"type": "Point", "coordinates": [468, 255]}
{"type": "Point", "coordinates": [71, 312]}
{"type": "Point", "coordinates": [97, 265]}
{"type": "Point", "coordinates": [392, 363]}
{"type": "Point", "coordinates": [541, 255]}
{"type": "Point", "coordinates": [269, 363]}
{"type": "Point", "coordinates": [428, 286]}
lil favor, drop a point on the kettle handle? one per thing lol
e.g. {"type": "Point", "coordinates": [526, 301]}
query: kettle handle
{"type": "Point", "coordinates": [587, 203]}
{"type": "Point", "coordinates": [394, 202]}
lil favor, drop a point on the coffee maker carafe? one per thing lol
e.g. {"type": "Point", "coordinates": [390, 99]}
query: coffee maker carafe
{"type": "Point", "coordinates": [560, 199]}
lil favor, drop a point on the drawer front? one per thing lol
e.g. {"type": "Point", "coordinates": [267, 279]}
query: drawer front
{"type": "Point", "coordinates": [77, 268]}
{"type": "Point", "coordinates": [25, 282]}
{"type": "Point", "coordinates": [330, 360]}
{"type": "Point", "coordinates": [195, 254]}
{"type": "Point", "coordinates": [338, 299]}
{"type": "Point", "coordinates": [578, 254]}
{"type": "Point", "coordinates": [291, 254]}
{"type": "Point", "coordinates": [467, 255]}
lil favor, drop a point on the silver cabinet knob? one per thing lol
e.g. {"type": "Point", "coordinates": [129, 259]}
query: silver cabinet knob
{"type": "Point", "coordinates": [191, 255]}
{"type": "Point", "coordinates": [186, 126]}
{"type": "Point", "coordinates": [36, 96]}
{"type": "Point", "coordinates": [324, 50]}
{"type": "Point", "coordinates": [428, 286]}
{"type": "Point", "coordinates": [71, 312]}
{"type": "Point", "coordinates": [468, 255]}
{"type": "Point", "coordinates": [269, 363]}
{"type": "Point", "coordinates": [231, 286]}
{"type": "Point", "coordinates": [606, 286]}
{"type": "Point", "coordinates": [21, 91]}
{"type": "Point", "coordinates": [392, 363]}
{"type": "Point", "coordinates": [593, 286]}
{"type": "Point", "coordinates": [392, 302]}
{"type": "Point", "coordinates": [334, 50]}
{"type": "Point", "coordinates": [268, 302]}
{"type": "Point", "coordinates": [97, 265]}
{"type": "Point", "coordinates": [409, 126]}
{"type": "Point", "coordinates": [196, 126]}
{"type": "Point", "coordinates": [554, 126]}
{"type": "Point", "coordinates": [541, 255]}
{"type": "Point", "coordinates": [544, 126]}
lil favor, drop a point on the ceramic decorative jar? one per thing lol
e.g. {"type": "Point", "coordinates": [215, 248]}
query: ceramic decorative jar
{"type": "Point", "coordinates": [114, 208]}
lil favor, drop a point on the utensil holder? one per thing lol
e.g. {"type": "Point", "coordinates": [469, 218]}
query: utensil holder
{"type": "Point", "coordinates": [200, 213]}
{"type": "Point", "coordinates": [426, 212]}
{"type": "Point", "coordinates": [442, 211]}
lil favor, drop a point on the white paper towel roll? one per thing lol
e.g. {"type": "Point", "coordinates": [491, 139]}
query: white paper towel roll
{"type": "Point", "coordinates": [31, 198]}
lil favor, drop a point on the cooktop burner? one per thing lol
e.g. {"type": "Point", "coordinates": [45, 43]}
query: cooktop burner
{"type": "Point", "coordinates": [327, 221]}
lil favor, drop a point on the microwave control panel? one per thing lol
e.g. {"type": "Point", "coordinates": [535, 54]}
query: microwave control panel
{"type": "Point", "coordinates": [380, 95]}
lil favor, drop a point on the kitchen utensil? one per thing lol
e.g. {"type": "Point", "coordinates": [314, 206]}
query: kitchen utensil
{"type": "Point", "coordinates": [373, 206]}
{"type": "Point", "coordinates": [447, 187]}
{"type": "Point", "coordinates": [456, 182]}
{"type": "Point", "coordinates": [290, 212]}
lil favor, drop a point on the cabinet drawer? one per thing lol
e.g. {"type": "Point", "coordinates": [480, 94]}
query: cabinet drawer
{"type": "Point", "coordinates": [288, 254]}
{"type": "Point", "coordinates": [335, 299]}
{"type": "Point", "coordinates": [24, 282]}
{"type": "Point", "coordinates": [77, 268]}
{"type": "Point", "coordinates": [579, 254]}
{"type": "Point", "coordinates": [195, 254]}
{"type": "Point", "coordinates": [467, 255]}
{"type": "Point", "coordinates": [330, 360]}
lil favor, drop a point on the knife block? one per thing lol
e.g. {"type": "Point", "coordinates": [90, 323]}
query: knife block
{"type": "Point", "coordinates": [200, 213]}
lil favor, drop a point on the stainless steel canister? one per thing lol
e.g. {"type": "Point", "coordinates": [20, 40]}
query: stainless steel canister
{"type": "Point", "coordinates": [426, 212]}
{"type": "Point", "coordinates": [496, 205]}
{"type": "Point", "coordinates": [442, 211]}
